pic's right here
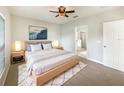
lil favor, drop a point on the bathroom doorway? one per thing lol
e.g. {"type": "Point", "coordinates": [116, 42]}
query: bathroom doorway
{"type": "Point", "coordinates": [81, 40]}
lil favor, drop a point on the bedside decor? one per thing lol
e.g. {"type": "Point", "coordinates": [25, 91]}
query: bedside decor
{"type": "Point", "coordinates": [37, 33]}
{"type": "Point", "coordinates": [18, 56]}
{"type": "Point", "coordinates": [59, 47]}
{"type": "Point", "coordinates": [55, 43]}
{"type": "Point", "coordinates": [17, 45]}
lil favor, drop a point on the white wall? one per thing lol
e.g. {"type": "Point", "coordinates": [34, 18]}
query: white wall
{"type": "Point", "coordinates": [95, 32]}
{"type": "Point", "coordinates": [20, 29]}
{"type": "Point", "coordinates": [5, 13]}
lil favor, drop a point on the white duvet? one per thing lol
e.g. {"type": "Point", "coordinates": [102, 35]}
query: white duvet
{"type": "Point", "coordinates": [44, 60]}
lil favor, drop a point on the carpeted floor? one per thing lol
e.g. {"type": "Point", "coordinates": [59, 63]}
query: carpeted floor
{"type": "Point", "coordinates": [93, 74]}
{"type": "Point", "coordinates": [25, 80]}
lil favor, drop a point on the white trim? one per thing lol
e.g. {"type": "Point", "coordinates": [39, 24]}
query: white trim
{"type": "Point", "coordinates": [2, 72]}
{"type": "Point", "coordinates": [96, 61]}
{"type": "Point", "coordinates": [6, 72]}
{"type": "Point", "coordinates": [2, 16]}
{"type": "Point", "coordinates": [75, 46]}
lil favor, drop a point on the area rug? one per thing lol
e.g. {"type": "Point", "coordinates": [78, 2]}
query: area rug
{"type": "Point", "coordinates": [25, 80]}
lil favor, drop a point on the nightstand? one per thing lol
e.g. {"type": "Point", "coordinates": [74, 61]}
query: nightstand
{"type": "Point", "coordinates": [61, 48]}
{"type": "Point", "coordinates": [18, 56]}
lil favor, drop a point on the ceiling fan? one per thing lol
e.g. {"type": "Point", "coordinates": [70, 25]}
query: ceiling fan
{"type": "Point", "coordinates": [62, 11]}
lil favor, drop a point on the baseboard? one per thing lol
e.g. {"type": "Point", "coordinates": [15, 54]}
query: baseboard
{"type": "Point", "coordinates": [4, 76]}
{"type": "Point", "coordinates": [96, 61]}
{"type": "Point", "coordinates": [6, 73]}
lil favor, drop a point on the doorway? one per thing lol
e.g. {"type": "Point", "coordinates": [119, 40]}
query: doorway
{"type": "Point", "coordinates": [81, 40]}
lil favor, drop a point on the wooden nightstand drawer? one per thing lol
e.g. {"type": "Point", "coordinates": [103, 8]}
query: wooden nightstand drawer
{"type": "Point", "coordinates": [18, 56]}
{"type": "Point", "coordinates": [61, 48]}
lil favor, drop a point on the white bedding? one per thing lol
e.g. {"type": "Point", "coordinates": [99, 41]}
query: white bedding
{"type": "Point", "coordinates": [44, 60]}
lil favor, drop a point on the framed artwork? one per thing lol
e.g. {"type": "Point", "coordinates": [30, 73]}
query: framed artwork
{"type": "Point", "coordinates": [37, 33]}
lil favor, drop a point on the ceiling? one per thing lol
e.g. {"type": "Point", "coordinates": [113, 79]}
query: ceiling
{"type": "Point", "coordinates": [42, 12]}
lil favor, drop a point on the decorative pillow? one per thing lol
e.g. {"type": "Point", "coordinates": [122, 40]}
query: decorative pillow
{"type": "Point", "coordinates": [47, 46]}
{"type": "Point", "coordinates": [35, 47]}
{"type": "Point", "coordinates": [28, 48]}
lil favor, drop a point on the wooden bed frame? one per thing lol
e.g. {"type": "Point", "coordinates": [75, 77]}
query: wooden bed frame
{"type": "Point", "coordinates": [52, 73]}
{"type": "Point", "coordinates": [43, 78]}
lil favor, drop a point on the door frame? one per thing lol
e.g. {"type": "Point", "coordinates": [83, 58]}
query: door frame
{"type": "Point", "coordinates": [76, 29]}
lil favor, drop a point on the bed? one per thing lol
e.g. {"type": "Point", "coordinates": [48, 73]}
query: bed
{"type": "Point", "coordinates": [45, 65]}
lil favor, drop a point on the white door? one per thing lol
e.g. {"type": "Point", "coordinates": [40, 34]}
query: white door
{"type": "Point", "coordinates": [113, 44]}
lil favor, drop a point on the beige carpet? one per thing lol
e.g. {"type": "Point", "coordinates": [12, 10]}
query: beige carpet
{"type": "Point", "coordinates": [25, 80]}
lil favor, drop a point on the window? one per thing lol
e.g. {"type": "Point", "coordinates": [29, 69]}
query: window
{"type": "Point", "coordinates": [2, 45]}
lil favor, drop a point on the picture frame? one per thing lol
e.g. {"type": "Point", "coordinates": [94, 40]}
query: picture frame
{"type": "Point", "coordinates": [37, 33]}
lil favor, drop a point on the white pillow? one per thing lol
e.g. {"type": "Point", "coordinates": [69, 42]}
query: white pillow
{"type": "Point", "coordinates": [47, 46]}
{"type": "Point", "coordinates": [36, 47]}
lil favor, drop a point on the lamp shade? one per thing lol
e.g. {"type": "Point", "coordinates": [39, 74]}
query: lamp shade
{"type": "Point", "coordinates": [17, 45]}
{"type": "Point", "coordinates": [55, 43]}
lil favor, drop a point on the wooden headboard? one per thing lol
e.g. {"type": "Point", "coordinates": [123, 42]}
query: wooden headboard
{"type": "Point", "coordinates": [35, 42]}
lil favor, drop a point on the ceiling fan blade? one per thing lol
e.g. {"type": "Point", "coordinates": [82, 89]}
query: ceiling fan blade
{"type": "Point", "coordinates": [54, 11]}
{"type": "Point", "coordinates": [57, 15]}
{"type": "Point", "coordinates": [71, 11]}
{"type": "Point", "coordinates": [66, 15]}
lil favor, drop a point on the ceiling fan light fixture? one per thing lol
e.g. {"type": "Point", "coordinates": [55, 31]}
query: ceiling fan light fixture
{"type": "Point", "coordinates": [61, 14]}
{"type": "Point", "coordinates": [62, 11]}
{"type": "Point", "coordinates": [75, 16]}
